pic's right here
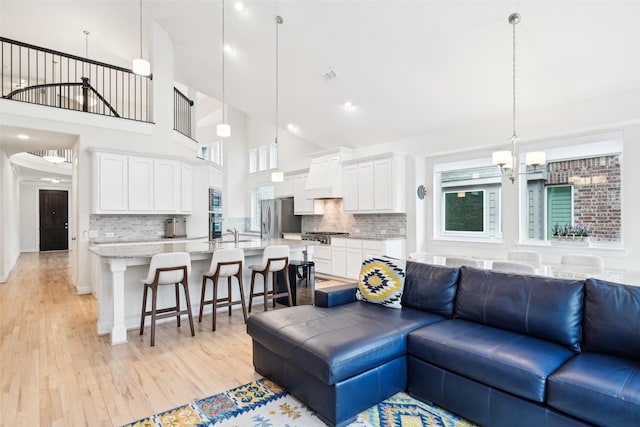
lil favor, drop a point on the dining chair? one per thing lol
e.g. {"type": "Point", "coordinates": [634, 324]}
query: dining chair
{"type": "Point", "coordinates": [425, 257]}
{"type": "Point", "coordinates": [275, 258]}
{"type": "Point", "coordinates": [459, 261]}
{"type": "Point", "coordinates": [225, 263]}
{"type": "Point", "coordinates": [528, 257]}
{"type": "Point", "coordinates": [513, 267]}
{"type": "Point", "coordinates": [579, 262]}
{"type": "Point", "coordinates": [172, 268]}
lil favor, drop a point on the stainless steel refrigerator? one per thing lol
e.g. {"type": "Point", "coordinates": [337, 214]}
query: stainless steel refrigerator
{"type": "Point", "coordinates": [277, 217]}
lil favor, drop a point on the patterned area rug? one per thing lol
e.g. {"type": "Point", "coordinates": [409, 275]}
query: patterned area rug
{"type": "Point", "coordinates": [263, 403]}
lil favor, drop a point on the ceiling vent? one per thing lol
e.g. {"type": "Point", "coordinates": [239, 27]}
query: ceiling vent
{"type": "Point", "coordinates": [328, 75]}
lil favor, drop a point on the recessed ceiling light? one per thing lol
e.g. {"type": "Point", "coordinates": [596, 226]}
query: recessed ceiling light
{"type": "Point", "coordinates": [55, 181]}
{"type": "Point", "coordinates": [239, 6]}
{"type": "Point", "coordinates": [349, 106]}
{"type": "Point", "coordinates": [229, 49]}
{"type": "Point", "coordinates": [292, 127]}
{"type": "Point", "coordinates": [23, 136]}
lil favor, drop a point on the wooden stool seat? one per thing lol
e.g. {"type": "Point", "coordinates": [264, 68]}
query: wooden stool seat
{"type": "Point", "coordinates": [171, 268]}
{"type": "Point", "coordinates": [224, 263]}
{"type": "Point", "coordinates": [274, 259]}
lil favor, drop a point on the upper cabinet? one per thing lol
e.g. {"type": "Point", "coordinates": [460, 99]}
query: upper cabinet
{"type": "Point", "coordinates": [133, 184]}
{"type": "Point", "coordinates": [284, 188]}
{"type": "Point", "coordinates": [375, 184]}
{"type": "Point", "coordinates": [141, 182]}
{"type": "Point", "coordinates": [111, 188]}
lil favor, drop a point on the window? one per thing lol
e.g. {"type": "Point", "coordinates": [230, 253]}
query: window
{"type": "Point", "coordinates": [253, 160]}
{"type": "Point", "coordinates": [217, 154]}
{"type": "Point", "coordinates": [262, 159]}
{"type": "Point", "coordinates": [580, 186]}
{"type": "Point", "coordinates": [258, 194]}
{"type": "Point", "coordinates": [464, 211]}
{"type": "Point", "coordinates": [469, 201]}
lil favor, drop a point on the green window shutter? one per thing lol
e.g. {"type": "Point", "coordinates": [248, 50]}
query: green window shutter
{"type": "Point", "coordinates": [559, 207]}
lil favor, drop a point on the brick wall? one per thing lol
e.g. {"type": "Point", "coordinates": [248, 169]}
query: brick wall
{"type": "Point", "coordinates": [596, 193]}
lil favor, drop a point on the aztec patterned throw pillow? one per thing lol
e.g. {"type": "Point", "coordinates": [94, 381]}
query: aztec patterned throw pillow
{"type": "Point", "coordinates": [381, 281]}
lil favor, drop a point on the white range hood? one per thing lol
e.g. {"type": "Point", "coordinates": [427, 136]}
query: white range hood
{"type": "Point", "coordinates": [324, 180]}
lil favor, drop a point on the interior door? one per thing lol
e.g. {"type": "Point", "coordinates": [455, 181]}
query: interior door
{"type": "Point", "coordinates": [54, 220]}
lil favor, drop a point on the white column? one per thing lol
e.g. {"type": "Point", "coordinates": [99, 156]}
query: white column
{"type": "Point", "coordinates": [119, 331]}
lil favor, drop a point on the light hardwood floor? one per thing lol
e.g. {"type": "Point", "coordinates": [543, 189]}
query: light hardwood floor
{"type": "Point", "coordinates": [55, 370]}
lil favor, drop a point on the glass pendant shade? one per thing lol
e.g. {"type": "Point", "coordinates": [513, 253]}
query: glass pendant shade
{"type": "Point", "coordinates": [504, 159]}
{"type": "Point", "coordinates": [223, 130]}
{"type": "Point", "coordinates": [536, 158]}
{"type": "Point", "coordinates": [141, 67]}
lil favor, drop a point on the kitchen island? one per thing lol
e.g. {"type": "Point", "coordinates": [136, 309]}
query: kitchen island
{"type": "Point", "coordinates": [118, 269]}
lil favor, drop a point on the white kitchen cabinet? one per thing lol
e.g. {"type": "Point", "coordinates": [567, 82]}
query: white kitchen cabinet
{"type": "Point", "coordinates": [338, 265]}
{"type": "Point", "coordinates": [322, 258]}
{"type": "Point", "coordinates": [215, 177]}
{"type": "Point", "coordinates": [136, 184]}
{"type": "Point", "coordinates": [303, 205]}
{"type": "Point", "coordinates": [353, 258]}
{"type": "Point", "coordinates": [110, 181]}
{"type": "Point", "coordinates": [140, 184]}
{"type": "Point", "coordinates": [375, 185]}
{"type": "Point", "coordinates": [350, 188]}
{"type": "Point", "coordinates": [365, 186]}
{"type": "Point", "coordinates": [186, 189]}
{"type": "Point", "coordinates": [166, 184]}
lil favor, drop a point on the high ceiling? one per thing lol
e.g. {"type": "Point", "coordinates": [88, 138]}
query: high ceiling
{"type": "Point", "coordinates": [410, 66]}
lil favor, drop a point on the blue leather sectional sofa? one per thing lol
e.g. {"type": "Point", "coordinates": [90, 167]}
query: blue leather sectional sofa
{"type": "Point", "coordinates": [497, 349]}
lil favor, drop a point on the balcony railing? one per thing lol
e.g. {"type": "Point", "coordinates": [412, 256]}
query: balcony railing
{"type": "Point", "coordinates": [46, 77]}
{"type": "Point", "coordinates": [182, 113]}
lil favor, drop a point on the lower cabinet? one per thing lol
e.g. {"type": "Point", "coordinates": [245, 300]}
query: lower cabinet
{"type": "Point", "coordinates": [347, 255]}
{"type": "Point", "coordinates": [322, 258]}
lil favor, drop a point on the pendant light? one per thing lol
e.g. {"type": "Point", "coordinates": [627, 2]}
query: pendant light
{"type": "Point", "coordinates": [141, 66]}
{"type": "Point", "coordinates": [277, 176]}
{"type": "Point", "coordinates": [223, 130]}
{"type": "Point", "coordinates": [508, 160]}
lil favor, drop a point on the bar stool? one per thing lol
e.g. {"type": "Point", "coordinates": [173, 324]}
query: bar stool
{"type": "Point", "coordinates": [224, 263]}
{"type": "Point", "coordinates": [275, 258]}
{"type": "Point", "coordinates": [166, 269]}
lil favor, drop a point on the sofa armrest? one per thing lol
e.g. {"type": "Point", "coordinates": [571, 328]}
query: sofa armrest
{"type": "Point", "coordinates": [335, 295]}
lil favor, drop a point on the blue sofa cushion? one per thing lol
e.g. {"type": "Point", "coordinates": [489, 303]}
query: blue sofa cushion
{"type": "Point", "coordinates": [611, 319]}
{"type": "Point", "coordinates": [430, 288]}
{"type": "Point", "coordinates": [505, 360]}
{"type": "Point", "coordinates": [336, 343]}
{"type": "Point", "coordinates": [602, 389]}
{"type": "Point", "coordinates": [542, 307]}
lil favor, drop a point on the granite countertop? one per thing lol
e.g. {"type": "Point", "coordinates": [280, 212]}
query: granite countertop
{"type": "Point", "coordinates": [147, 250]}
{"type": "Point", "coordinates": [160, 239]}
{"type": "Point", "coordinates": [377, 236]}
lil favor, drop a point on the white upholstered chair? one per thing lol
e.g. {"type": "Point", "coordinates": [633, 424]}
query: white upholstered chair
{"type": "Point", "coordinates": [527, 257]}
{"type": "Point", "coordinates": [225, 263]}
{"type": "Point", "coordinates": [171, 268]}
{"type": "Point", "coordinates": [274, 259]}
{"type": "Point", "coordinates": [582, 263]}
{"type": "Point", "coordinates": [459, 261]}
{"type": "Point", "coordinates": [425, 257]}
{"type": "Point", "coordinates": [513, 267]}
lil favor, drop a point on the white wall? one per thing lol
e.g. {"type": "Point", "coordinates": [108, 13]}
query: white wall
{"type": "Point", "coordinates": [9, 217]}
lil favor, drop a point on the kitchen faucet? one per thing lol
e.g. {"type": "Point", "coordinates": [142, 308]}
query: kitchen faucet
{"type": "Point", "coordinates": [236, 234]}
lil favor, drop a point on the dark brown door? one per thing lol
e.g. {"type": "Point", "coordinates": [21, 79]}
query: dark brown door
{"type": "Point", "coordinates": [54, 220]}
